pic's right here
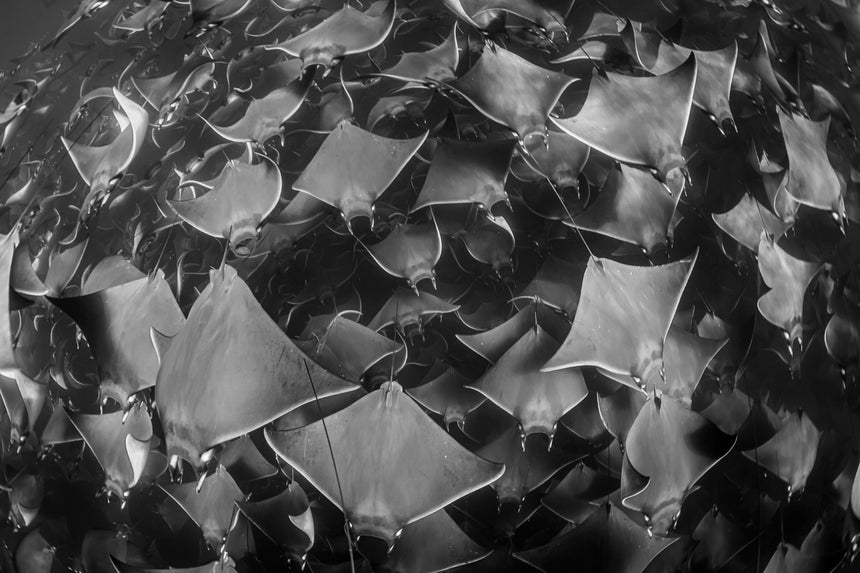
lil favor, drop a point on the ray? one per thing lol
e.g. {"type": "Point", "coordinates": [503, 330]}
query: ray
{"type": "Point", "coordinates": [264, 117]}
{"type": "Point", "coordinates": [409, 252]}
{"type": "Point", "coordinates": [8, 363]}
{"type": "Point", "coordinates": [22, 276]}
{"type": "Point", "coordinates": [120, 443]}
{"type": "Point", "coordinates": [23, 399]}
{"type": "Point", "coordinates": [492, 344]}
{"type": "Point", "coordinates": [560, 160]}
{"type": "Point", "coordinates": [745, 222]}
{"type": "Point", "coordinates": [430, 545]}
{"type": "Point", "coordinates": [210, 504]}
{"type": "Point", "coordinates": [512, 91]}
{"type": "Point", "coordinates": [206, 14]}
{"type": "Point", "coordinates": [143, 18]}
{"type": "Point", "coordinates": [673, 447]}
{"type": "Point", "coordinates": [811, 178]}
{"type": "Point", "coordinates": [807, 557]}
{"type": "Point", "coordinates": [633, 207]}
{"type": "Point", "coordinates": [436, 65]}
{"type": "Point", "coordinates": [229, 370]}
{"type": "Point", "coordinates": [343, 346]}
{"type": "Point", "coordinates": [100, 166]}
{"type": "Point", "coordinates": [407, 309]}
{"type": "Point", "coordinates": [243, 196]}
{"type": "Point", "coordinates": [686, 356]}
{"type": "Point", "coordinates": [34, 554]}
{"type": "Point", "coordinates": [557, 284]}
{"type": "Point", "coordinates": [244, 461]}
{"type": "Point", "coordinates": [164, 92]}
{"type": "Point", "coordinates": [606, 541]}
{"type": "Point", "coordinates": [117, 322]}
{"type": "Point", "coordinates": [637, 120]}
{"type": "Point", "coordinates": [528, 464]}
{"type": "Point", "coordinates": [284, 518]}
{"type": "Point", "coordinates": [584, 421]}
{"type": "Point", "coordinates": [790, 454]}
{"type": "Point", "coordinates": [490, 241]}
{"type": "Point", "coordinates": [582, 491]}
{"type": "Point", "coordinates": [448, 396]}
{"type": "Point", "coordinates": [466, 173]}
{"type": "Point", "coordinates": [346, 32]}
{"type": "Point", "coordinates": [618, 410]}
{"type": "Point", "coordinates": [217, 566]}
{"type": "Point", "coordinates": [624, 317]}
{"type": "Point", "coordinates": [715, 70]}
{"type": "Point", "coordinates": [354, 167]}
{"type": "Point", "coordinates": [377, 501]}
{"type": "Point", "coordinates": [85, 9]}
{"type": "Point", "coordinates": [788, 279]}
{"type": "Point", "coordinates": [842, 339]}
{"type": "Point", "coordinates": [536, 399]}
